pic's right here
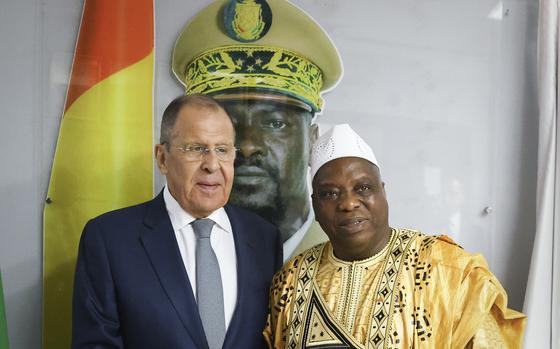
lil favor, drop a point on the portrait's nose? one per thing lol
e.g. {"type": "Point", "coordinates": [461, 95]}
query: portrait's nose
{"type": "Point", "coordinates": [250, 141]}
{"type": "Point", "coordinates": [210, 162]}
{"type": "Point", "coordinates": [348, 202]}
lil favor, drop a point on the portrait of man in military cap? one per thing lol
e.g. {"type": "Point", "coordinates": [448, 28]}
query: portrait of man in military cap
{"type": "Point", "coordinates": [268, 63]}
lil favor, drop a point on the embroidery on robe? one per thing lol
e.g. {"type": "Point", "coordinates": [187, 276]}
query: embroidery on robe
{"type": "Point", "coordinates": [383, 310]}
{"type": "Point", "coordinates": [305, 274]}
{"type": "Point", "coordinates": [421, 320]}
{"type": "Point", "coordinates": [320, 331]}
{"type": "Point", "coordinates": [403, 314]}
{"type": "Point", "coordinates": [387, 296]}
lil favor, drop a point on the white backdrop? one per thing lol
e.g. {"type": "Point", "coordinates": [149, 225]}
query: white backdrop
{"type": "Point", "coordinates": [444, 91]}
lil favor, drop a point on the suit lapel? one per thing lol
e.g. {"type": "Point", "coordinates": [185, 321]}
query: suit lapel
{"type": "Point", "coordinates": [244, 250]}
{"type": "Point", "coordinates": [159, 241]}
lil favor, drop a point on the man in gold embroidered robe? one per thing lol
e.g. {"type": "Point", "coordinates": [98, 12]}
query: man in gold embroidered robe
{"type": "Point", "coordinates": [373, 286]}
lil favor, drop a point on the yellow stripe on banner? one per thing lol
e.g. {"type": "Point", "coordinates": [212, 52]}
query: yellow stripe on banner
{"type": "Point", "coordinates": [103, 161]}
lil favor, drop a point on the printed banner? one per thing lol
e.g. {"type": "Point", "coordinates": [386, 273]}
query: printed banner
{"type": "Point", "coordinates": [103, 158]}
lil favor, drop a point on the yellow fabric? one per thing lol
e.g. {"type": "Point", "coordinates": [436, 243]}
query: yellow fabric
{"type": "Point", "coordinates": [103, 161]}
{"type": "Point", "coordinates": [347, 288]}
{"type": "Point", "coordinates": [429, 293]}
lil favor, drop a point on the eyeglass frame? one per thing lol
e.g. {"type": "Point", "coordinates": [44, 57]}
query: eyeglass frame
{"type": "Point", "coordinates": [186, 149]}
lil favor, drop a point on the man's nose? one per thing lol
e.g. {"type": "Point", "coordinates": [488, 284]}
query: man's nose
{"type": "Point", "coordinates": [251, 142]}
{"type": "Point", "coordinates": [210, 162]}
{"type": "Point", "coordinates": [348, 202]}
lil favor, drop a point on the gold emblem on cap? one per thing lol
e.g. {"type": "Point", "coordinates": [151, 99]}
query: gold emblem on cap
{"type": "Point", "coordinates": [247, 22]}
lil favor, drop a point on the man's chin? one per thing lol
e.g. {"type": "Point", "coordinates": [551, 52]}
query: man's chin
{"type": "Point", "coordinates": [254, 201]}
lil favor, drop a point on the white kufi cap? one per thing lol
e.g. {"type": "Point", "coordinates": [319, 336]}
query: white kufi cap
{"type": "Point", "coordinates": [339, 142]}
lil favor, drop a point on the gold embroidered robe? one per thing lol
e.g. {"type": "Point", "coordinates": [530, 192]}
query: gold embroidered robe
{"type": "Point", "coordinates": [419, 292]}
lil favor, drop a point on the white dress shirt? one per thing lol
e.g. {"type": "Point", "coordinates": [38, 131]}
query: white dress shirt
{"type": "Point", "coordinates": [293, 242]}
{"type": "Point", "coordinates": [222, 243]}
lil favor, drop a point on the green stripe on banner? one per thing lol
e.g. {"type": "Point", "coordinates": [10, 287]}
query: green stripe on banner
{"type": "Point", "coordinates": [3, 324]}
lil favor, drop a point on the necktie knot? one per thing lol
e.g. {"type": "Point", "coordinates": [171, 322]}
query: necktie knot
{"type": "Point", "coordinates": [202, 228]}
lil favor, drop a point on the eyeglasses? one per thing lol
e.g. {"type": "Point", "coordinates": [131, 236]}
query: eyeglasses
{"type": "Point", "coordinates": [195, 152]}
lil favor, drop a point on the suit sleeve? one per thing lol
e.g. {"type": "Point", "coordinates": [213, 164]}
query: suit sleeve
{"type": "Point", "coordinates": [95, 320]}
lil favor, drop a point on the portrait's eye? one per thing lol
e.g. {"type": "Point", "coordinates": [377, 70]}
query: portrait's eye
{"type": "Point", "coordinates": [274, 124]}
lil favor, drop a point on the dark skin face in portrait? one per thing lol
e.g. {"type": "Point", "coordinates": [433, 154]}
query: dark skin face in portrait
{"type": "Point", "coordinates": [271, 165]}
{"type": "Point", "coordinates": [351, 206]}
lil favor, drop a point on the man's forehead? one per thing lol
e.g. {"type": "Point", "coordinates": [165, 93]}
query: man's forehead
{"type": "Point", "coordinates": [203, 116]}
{"type": "Point", "coordinates": [240, 109]}
{"type": "Point", "coordinates": [192, 110]}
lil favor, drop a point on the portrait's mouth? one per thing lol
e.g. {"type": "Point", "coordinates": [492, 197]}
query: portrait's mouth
{"type": "Point", "coordinates": [250, 171]}
{"type": "Point", "coordinates": [249, 175]}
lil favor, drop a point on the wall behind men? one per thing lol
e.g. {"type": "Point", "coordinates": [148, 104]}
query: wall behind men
{"type": "Point", "coordinates": [444, 91]}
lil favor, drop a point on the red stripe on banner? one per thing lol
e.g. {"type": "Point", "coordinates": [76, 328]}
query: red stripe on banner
{"type": "Point", "coordinates": [113, 35]}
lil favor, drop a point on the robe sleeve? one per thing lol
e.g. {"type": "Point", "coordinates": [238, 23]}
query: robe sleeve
{"type": "Point", "coordinates": [482, 318]}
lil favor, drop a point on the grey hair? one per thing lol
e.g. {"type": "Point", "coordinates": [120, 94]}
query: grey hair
{"type": "Point", "coordinates": [172, 111]}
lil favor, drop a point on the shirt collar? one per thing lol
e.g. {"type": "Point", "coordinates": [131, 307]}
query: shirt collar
{"type": "Point", "coordinates": [293, 241]}
{"type": "Point", "coordinates": [181, 218]}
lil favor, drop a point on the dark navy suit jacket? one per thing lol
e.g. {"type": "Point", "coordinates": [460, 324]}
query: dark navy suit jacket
{"type": "Point", "coordinates": [131, 289]}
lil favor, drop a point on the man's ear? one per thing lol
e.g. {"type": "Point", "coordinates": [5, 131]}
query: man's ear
{"type": "Point", "coordinates": [161, 158]}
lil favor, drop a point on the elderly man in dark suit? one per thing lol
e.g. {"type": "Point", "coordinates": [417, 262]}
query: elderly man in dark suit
{"type": "Point", "coordinates": [183, 270]}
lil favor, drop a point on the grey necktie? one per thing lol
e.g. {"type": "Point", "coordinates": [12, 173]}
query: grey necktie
{"type": "Point", "coordinates": [209, 291]}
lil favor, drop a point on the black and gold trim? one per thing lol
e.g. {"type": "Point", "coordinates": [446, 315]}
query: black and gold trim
{"type": "Point", "coordinates": [228, 69]}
